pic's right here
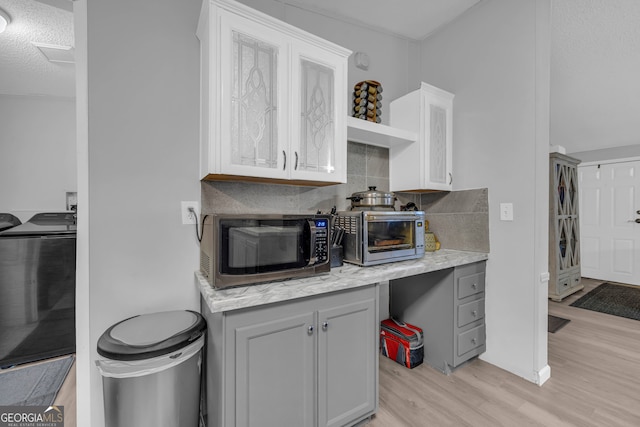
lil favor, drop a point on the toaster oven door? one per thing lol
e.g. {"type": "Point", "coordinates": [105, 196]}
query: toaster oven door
{"type": "Point", "coordinates": [389, 238]}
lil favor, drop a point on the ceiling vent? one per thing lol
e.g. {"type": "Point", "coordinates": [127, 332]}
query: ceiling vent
{"type": "Point", "coordinates": [56, 53]}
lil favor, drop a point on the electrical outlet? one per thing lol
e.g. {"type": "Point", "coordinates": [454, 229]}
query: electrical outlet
{"type": "Point", "coordinates": [189, 217]}
{"type": "Point", "coordinates": [72, 200]}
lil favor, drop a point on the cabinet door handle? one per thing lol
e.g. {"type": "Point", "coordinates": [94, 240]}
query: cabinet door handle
{"type": "Point", "coordinates": [325, 326]}
{"type": "Point", "coordinates": [295, 166]}
{"type": "Point", "coordinates": [284, 167]}
{"type": "Point", "coordinates": [310, 330]}
{"type": "Point", "coordinates": [450, 178]}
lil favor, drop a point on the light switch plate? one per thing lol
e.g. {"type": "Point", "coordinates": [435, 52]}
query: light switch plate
{"type": "Point", "coordinates": [506, 211]}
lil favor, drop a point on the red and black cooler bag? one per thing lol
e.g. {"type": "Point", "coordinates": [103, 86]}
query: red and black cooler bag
{"type": "Point", "coordinates": [401, 342]}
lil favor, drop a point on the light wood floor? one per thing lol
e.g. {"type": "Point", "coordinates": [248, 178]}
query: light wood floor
{"type": "Point", "coordinates": [67, 397]}
{"type": "Point", "coordinates": [595, 381]}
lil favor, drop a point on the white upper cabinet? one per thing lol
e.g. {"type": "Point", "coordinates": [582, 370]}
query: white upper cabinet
{"type": "Point", "coordinates": [273, 99]}
{"type": "Point", "coordinates": [426, 164]}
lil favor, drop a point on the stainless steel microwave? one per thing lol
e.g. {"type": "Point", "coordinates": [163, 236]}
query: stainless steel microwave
{"type": "Point", "coordinates": [247, 249]}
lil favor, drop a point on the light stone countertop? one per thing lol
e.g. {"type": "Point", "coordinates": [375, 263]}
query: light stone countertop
{"type": "Point", "coordinates": [340, 278]}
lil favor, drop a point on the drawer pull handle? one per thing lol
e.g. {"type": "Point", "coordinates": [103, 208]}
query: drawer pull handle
{"type": "Point", "coordinates": [310, 330]}
{"type": "Point", "coordinates": [325, 326]}
{"type": "Point", "coordinates": [474, 313]}
{"type": "Point", "coordinates": [474, 341]}
{"type": "Point", "coordinates": [474, 286]}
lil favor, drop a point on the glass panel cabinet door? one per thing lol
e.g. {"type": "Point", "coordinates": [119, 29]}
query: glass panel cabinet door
{"type": "Point", "coordinates": [254, 102]}
{"type": "Point", "coordinates": [438, 145]}
{"type": "Point", "coordinates": [316, 118]}
{"type": "Point", "coordinates": [318, 115]}
{"type": "Point", "coordinates": [437, 107]}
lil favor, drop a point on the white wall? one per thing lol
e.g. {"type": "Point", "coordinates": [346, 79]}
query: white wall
{"type": "Point", "coordinates": [495, 60]}
{"type": "Point", "coordinates": [394, 61]}
{"type": "Point", "coordinates": [37, 153]}
{"type": "Point", "coordinates": [138, 138]}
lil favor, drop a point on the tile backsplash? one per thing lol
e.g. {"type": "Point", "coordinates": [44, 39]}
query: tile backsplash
{"type": "Point", "coordinates": [366, 166]}
{"type": "Point", "coordinates": [458, 218]}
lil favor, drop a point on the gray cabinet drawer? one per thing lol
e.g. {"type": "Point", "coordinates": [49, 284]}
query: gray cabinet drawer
{"type": "Point", "coordinates": [470, 312]}
{"type": "Point", "coordinates": [575, 280]}
{"type": "Point", "coordinates": [470, 285]}
{"type": "Point", "coordinates": [471, 339]}
{"type": "Point", "coordinates": [563, 284]}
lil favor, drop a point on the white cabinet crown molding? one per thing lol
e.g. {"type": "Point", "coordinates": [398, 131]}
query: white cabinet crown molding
{"type": "Point", "coordinates": [281, 26]}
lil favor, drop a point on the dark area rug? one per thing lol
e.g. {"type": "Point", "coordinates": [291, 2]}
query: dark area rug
{"type": "Point", "coordinates": [34, 385]}
{"type": "Point", "coordinates": [618, 300]}
{"type": "Point", "coordinates": [555, 323]}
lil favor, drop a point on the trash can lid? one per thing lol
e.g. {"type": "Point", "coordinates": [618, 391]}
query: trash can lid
{"type": "Point", "coordinates": [151, 335]}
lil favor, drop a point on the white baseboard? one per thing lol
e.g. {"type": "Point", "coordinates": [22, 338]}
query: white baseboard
{"type": "Point", "coordinates": [543, 375]}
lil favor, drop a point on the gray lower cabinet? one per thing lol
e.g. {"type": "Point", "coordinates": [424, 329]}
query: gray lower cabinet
{"type": "Point", "coordinates": [306, 362]}
{"type": "Point", "coordinates": [449, 306]}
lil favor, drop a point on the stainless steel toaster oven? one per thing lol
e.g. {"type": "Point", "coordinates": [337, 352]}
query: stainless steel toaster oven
{"type": "Point", "coordinates": [377, 237]}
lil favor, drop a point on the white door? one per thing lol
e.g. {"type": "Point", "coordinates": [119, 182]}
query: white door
{"type": "Point", "coordinates": [610, 235]}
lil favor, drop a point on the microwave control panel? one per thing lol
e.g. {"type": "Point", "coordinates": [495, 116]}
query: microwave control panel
{"type": "Point", "coordinates": [322, 240]}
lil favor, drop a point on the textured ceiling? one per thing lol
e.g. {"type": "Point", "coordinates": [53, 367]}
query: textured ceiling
{"type": "Point", "coordinates": [24, 69]}
{"type": "Point", "coordinates": [595, 69]}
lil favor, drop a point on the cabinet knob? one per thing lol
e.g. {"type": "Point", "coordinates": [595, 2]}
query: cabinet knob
{"type": "Point", "coordinates": [474, 313]}
{"type": "Point", "coordinates": [474, 341]}
{"type": "Point", "coordinates": [310, 330]}
{"type": "Point", "coordinates": [325, 326]}
{"type": "Point", "coordinates": [474, 286]}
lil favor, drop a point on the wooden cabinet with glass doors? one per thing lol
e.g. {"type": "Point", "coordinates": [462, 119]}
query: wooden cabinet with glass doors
{"type": "Point", "coordinates": [564, 231]}
{"type": "Point", "coordinates": [273, 99]}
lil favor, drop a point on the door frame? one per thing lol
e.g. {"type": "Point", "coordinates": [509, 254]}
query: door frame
{"type": "Point", "coordinates": [609, 161]}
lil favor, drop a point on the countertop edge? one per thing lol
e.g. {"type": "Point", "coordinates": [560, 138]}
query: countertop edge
{"type": "Point", "coordinates": [341, 278]}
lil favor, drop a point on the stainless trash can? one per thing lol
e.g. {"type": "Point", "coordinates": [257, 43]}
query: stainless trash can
{"type": "Point", "coordinates": [151, 371]}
